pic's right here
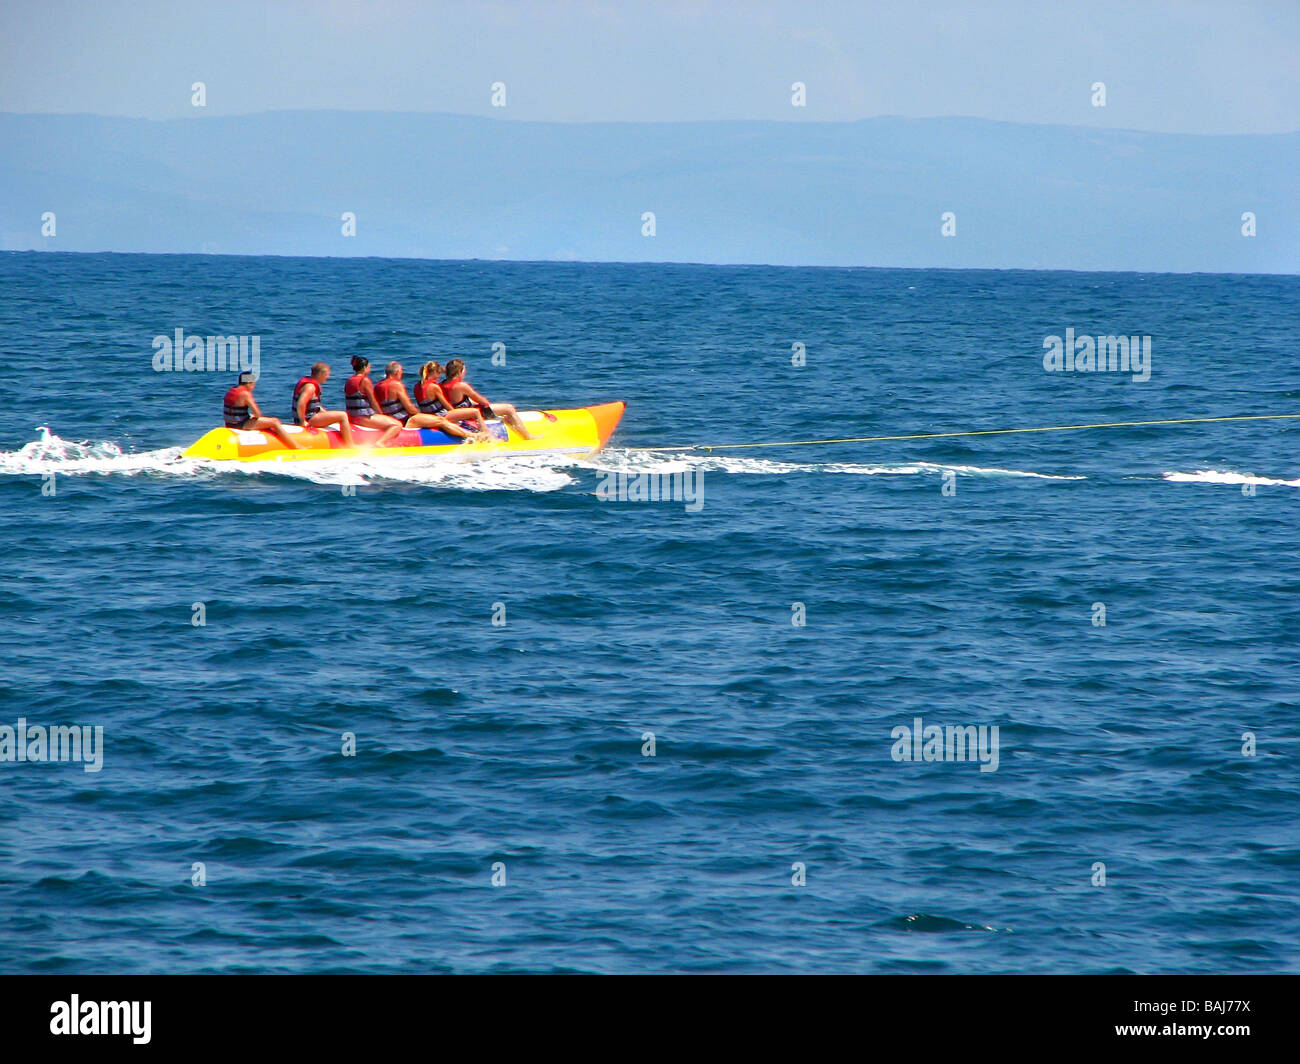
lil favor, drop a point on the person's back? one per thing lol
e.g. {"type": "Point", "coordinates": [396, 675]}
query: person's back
{"type": "Point", "coordinates": [308, 404]}
{"type": "Point", "coordinates": [236, 409]}
{"type": "Point", "coordinates": [360, 400]}
{"type": "Point", "coordinates": [303, 413]}
{"type": "Point", "coordinates": [429, 397]}
{"type": "Point", "coordinates": [389, 392]}
{"type": "Point", "coordinates": [240, 411]}
{"type": "Point", "coordinates": [355, 398]}
{"type": "Point", "coordinates": [455, 390]}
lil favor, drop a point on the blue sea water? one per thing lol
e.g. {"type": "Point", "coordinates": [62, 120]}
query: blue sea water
{"type": "Point", "coordinates": [953, 580]}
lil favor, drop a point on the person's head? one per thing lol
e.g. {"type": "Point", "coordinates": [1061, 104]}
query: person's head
{"type": "Point", "coordinates": [247, 379]}
{"type": "Point", "coordinates": [321, 371]}
{"type": "Point", "coordinates": [360, 364]}
{"type": "Point", "coordinates": [430, 371]}
{"type": "Point", "coordinates": [455, 368]}
{"type": "Point", "coordinates": [394, 370]}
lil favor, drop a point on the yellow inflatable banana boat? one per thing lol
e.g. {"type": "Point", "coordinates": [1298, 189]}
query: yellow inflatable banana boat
{"type": "Point", "coordinates": [579, 432]}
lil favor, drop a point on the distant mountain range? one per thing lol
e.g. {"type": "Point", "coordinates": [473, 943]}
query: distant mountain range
{"type": "Point", "coordinates": [869, 193]}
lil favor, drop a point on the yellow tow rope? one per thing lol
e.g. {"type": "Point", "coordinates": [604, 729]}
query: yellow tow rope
{"type": "Point", "coordinates": [972, 432]}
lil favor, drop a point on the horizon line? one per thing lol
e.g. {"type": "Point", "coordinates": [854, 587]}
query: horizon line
{"type": "Point", "coordinates": [652, 262]}
{"type": "Point", "coordinates": [635, 122]}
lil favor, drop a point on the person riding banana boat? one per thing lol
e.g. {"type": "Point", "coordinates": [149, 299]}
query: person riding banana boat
{"type": "Point", "coordinates": [573, 431]}
{"type": "Point", "coordinates": [241, 411]}
{"type": "Point", "coordinates": [307, 409]}
{"type": "Point", "coordinates": [463, 396]}
{"type": "Point", "coordinates": [395, 402]}
{"type": "Point", "coordinates": [431, 399]}
{"type": "Point", "coordinates": [363, 405]}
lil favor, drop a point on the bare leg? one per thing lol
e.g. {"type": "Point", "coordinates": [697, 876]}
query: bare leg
{"type": "Point", "coordinates": [507, 413]}
{"type": "Point", "coordinates": [273, 426]}
{"type": "Point", "coordinates": [390, 425]}
{"type": "Point", "coordinates": [466, 413]}
{"type": "Point", "coordinates": [333, 417]}
{"type": "Point", "coordinates": [434, 421]}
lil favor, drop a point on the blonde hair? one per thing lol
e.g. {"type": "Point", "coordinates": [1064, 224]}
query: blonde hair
{"type": "Point", "coordinates": [429, 369]}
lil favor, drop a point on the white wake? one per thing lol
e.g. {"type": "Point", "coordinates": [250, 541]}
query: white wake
{"type": "Point", "coordinates": [1214, 476]}
{"type": "Point", "coordinates": [520, 472]}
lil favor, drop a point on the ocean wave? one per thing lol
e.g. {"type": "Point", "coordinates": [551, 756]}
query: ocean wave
{"type": "Point", "coordinates": [516, 473]}
{"type": "Point", "coordinates": [631, 460]}
{"type": "Point", "coordinates": [1214, 476]}
{"type": "Point", "coordinates": [53, 454]}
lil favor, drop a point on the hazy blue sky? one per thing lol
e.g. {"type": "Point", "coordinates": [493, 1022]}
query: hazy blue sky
{"type": "Point", "coordinates": [1188, 67]}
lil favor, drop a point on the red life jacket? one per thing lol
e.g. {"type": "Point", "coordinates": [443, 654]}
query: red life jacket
{"type": "Point", "coordinates": [313, 401]}
{"type": "Point", "coordinates": [388, 391]}
{"type": "Point", "coordinates": [429, 397]}
{"type": "Point", "coordinates": [465, 402]}
{"type": "Point", "coordinates": [355, 399]}
{"type": "Point", "coordinates": [235, 408]}
{"type": "Point", "coordinates": [446, 384]}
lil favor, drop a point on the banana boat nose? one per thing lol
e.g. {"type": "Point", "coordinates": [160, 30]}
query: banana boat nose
{"type": "Point", "coordinates": [607, 417]}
